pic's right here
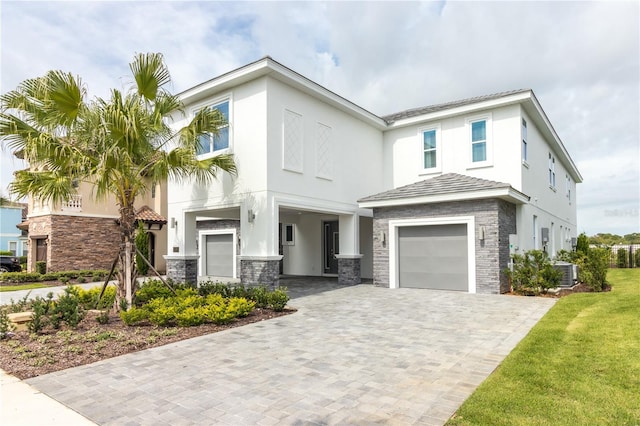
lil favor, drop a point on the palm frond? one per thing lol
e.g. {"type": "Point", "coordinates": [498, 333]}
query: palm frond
{"type": "Point", "coordinates": [150, 73]}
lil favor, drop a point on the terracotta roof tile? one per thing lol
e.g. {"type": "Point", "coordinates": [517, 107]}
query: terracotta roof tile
{"type": "Point", "coordinates": [146, 214]}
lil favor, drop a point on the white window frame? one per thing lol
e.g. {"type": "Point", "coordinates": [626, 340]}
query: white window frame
{"type": "Point", "coordinates": [212, 103]}
{"type": "Point", "coordinates": [438, 149]}
{"type": "Point", "coordinates": [488, 118]}
{"type": "Point", "coordinates": [525, 145]}
{"type": "Point", "coordinates": [552, 171]}
{"type": "Point", "coordinates": [285, 240]}
{"type": "Point", "coordinates": [15, 247]}
{"type": "Point", "coordinates": [394, 226]}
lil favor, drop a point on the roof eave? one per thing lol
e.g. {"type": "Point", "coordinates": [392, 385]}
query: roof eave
{"type": "Point", "coordinates": [508, 194]}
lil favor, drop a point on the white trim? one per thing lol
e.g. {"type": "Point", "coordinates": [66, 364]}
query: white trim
{"type": "Point", "coordinates": [349, 256]}
{"type": "Point", "coordinates": [452, 220]}
{"type": "Point", "coordinates": [227, 97]}
{"type": "Point", "coordinates": [278, 257]}
{"type": "Point", "coordinates": [299, 119]}
{"type": "Point", "coordinates": [438, 168]}
{"type": "Point", "coordinates": [202, 241]}
{"type": "Point", "coordinates": [488, 119]}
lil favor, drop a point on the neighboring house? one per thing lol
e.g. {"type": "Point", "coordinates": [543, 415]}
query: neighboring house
{"type": "Point", "coordinates": [432, 197]}
{"type": "Point", "coordinates": [11, 237]}
{"type": "Point", "coordinates": [83, 233]}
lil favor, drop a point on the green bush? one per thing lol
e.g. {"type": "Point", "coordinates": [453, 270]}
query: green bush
{"type": "Point", "coordinates": [240, 307]}
{"type": "Point", "coordinates": [134, 316]}
{"type": "Point", "coordinates": [6, 326]}
{"type": "Point", "coordinates": [219, 314]}
{"type": "Point", "coordinates": [151, 289]}
{"type": "Point", "coordinates": [592, 268]}
{"type": "Point", "coordinates": [622, 258]}
{"type": "Point", "coordinates": [41, 267]}
{"type": "Point", "coordinates": [210, 287]}
{"type": "Point", "coordinates": [41, 309]}
{"type": "Point", "coordinates": [142, 244]}
{"type": "Point", "coordinates": [190, 316]}
{"type": "Point", "coordinates": [19, 277]}
{"type": "Point", "coordinates": [162, 311]}
{"type": "Point", "coordinates": [582, 244]}
{"type": "Point", "coordinates": [637, 258]}
{"type": "Point", "coordinates": [67, 309]}
{"type": "Point", "coordinates": [89, 298]}
{"type": "Point", "coordinates": [278, 298]}
{"type": "Point", "coordinates": [533, 273]}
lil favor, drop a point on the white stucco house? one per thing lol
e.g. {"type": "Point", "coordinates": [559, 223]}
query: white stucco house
{"type": "Point", "coordinates": [432, 197]}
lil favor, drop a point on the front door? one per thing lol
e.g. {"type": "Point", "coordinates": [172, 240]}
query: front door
{"type": "Point", "coordinates": [41, 250]}
{"type": "Point", "coordinates": [152, 249]}
{"type": "Point", "coordinates": [331, 242]}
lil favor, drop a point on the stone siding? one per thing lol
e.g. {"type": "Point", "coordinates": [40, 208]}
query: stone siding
{"type": "Point", "coordinates": [496, 216]}
{"type": "Point", "coordinates": [75, 242]}
{"type": "Point", "coordinates": [349, 271]}
{"type": "Point", "coordinates": [255, 273]}
{"type": "Point", "coordinates": [182, 270]}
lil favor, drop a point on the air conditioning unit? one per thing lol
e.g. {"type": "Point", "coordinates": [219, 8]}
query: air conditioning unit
{"type": "Point", "coordinates": [569, 273]}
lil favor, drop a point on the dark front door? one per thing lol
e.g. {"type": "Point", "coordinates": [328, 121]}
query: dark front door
{"type": "Point", "coordinates": [331, 242]}
{"type": "Point", "coordinates": [41, 250]}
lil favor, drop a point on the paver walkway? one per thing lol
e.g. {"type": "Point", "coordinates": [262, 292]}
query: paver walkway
{"type": "Point", "coordinates": [353, 355]}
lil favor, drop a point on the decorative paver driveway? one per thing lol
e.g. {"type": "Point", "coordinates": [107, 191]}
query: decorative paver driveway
{"type": "Point", "coordinates": [353, 355]}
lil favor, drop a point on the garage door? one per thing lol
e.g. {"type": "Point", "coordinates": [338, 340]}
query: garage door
{"type": "Point", "coordinates": [433, 256]}
{"type": "Point", "coordinates": [219, 255]}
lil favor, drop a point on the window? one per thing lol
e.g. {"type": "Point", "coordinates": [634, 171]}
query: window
{"type": "Point", "coordinates": [430, 149]}
{"type": "Point", "coordinates": [479, 141]}
{"type": "Point", "coordinates": [568, 187]}
{"type": "Point", "coordinates": [288, 236]}
{"type": "Point", "coordinates": [210, 143]}
{"type": "Point", "coordinates": [13, 247]}
{"type": "Point", "coordinates": [552, 171]}
{"type": "Point", "coordinates": [524, 140]}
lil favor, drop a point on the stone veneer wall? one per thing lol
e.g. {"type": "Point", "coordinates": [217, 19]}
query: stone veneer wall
{"type": "Point", "coordinates": [75, 242]}
{"type": "Point", "coordinates": [492, 255]}
{"type": "Point", "coordinates": [349, 271]}
{"type": "Point", "coordinates": [182, 269]}
{"type": "Point", "coordinates": [260, 272]}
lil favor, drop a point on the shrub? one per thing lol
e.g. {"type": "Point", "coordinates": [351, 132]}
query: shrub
{"type": "Point", "coordinates": [6, 326]}
{"type": "Point", "coordinates": [210, 287]}
{"type": "Point", "coordinates": [191, 315]}
{"type": "Point", "coordinates": [134, 316]}
{"type": "Point", "coordinates": [240, 307]}
{"type": "Point", "coordinates": [162, 312]}
{"type": "Point", "coordinates": [638, 258]}
{"type": "Point", "coordinates": [592, 269]}
{"type": "Point", "coordinates": [219, 314]}
{"type": "Point", "coordinates": [142, 244]}
{"type": "Point", "coordinates": [89, 298]}
{"type": "Point", "coordinates": [103, 317]}
{"type": "Point", "coordinates": [41, 267]}
{"type": "Point", "coordinates": [533, 272]}
{"type": "Point", "coordinates": [67, 309]}
{"type": "Point", "coordinates": [278, 298]}
{"type": "Point", "coordinates": [20, 277]}
{"type": "Point", "coordinates": [582, 244]}
{"type": "Point", "coordinates": [151, 289]}
{"type": "Point", "coordinates": [261, 296]}
{"type": "Point", "coordinates": [6, 253]}
{"type": "Point", "coordinates": [622, 258]}
{"type": "Point", "coordinates": [41, 309]}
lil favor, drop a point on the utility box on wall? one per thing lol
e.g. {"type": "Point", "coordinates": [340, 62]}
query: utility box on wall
{"type": "Point", "coordinates": [513, 244]}
{"type": "Point", "coordinates": [545, 235]}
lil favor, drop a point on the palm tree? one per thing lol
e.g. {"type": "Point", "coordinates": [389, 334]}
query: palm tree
{"type": "Point", "coordinates": [122, 145]}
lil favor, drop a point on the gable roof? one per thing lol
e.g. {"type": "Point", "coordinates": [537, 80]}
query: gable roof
{"type": "Point", "coordinates": [447, 187]}
{"type": "Point", "coordinates": [148, 215]}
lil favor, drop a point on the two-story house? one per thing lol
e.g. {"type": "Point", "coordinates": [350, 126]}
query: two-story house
{"type": "Point", "coordinates": [12, 238]}
{"type": "Point", "coordinates": [83, 233]}
{"type": "Point", "coordinates": [433, 197]}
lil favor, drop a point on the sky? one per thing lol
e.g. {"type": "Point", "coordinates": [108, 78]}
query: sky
{"type": "Point", "coordinates": [582, 60]}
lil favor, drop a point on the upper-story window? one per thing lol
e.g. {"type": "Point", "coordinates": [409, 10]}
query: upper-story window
{"type": "Point", "coordinates": [479, 131]}
{"type": "Point", "coordinates": [524, 140]}
{"type": "Point", "coordinates": [210, 143]}
{"type": "Point", "coordinates": [431, 150]}
{"type": "Point", "coordinates": [568, 187]}
{"type": "Point", "coordinates": [552, 171]}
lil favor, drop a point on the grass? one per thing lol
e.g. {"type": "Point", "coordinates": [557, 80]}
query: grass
{"type": "Point", "coordinates": [28, 286]}
{"type": "Point", "coordinates": [580, 365]}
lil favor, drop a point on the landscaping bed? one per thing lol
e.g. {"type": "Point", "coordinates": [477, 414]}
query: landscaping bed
{"type": "Point", "coordinates": [26, 356]}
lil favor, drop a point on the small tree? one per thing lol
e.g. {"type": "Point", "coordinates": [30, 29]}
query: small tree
{"type": "Point", "coordinates": [533, 272]}
{"type": "Point", "coordinates": [582, 244]}
{"type": "Point", "coordinates": [142, 244]}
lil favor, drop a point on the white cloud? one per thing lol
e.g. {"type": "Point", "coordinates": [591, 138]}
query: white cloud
{"type": "Point", "coordinates": [581, 58]}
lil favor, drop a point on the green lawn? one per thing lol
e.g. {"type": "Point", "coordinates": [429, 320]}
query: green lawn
{"type": "Point", "coordinates": [28, 286]}
{"type": "Point", "coordinates": [580, 365]}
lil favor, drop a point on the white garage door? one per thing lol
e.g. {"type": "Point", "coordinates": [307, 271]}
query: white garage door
{"type": "Point", "coordinates": [219, 255]}
{"type": "Point", "coordinates": [433, 256]}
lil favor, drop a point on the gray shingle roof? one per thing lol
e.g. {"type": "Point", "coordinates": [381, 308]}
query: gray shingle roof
{"type": "Point", "coordinates": [449, 105]}
{"type": "Point", "coordinates": [449, 183]}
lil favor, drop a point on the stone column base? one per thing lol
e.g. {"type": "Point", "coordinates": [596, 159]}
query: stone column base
{"type": "Point", "coordinates": [349, 269]}
{"type": "Point", "coordinates": [182, 269]}
{"type": "Point", "coordinates": [260, 270]}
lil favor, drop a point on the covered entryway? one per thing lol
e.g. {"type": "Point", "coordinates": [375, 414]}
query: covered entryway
{"type": "Point", "coordinates": [433, 256]}
{"type": "Point", "coordinates": [219, 255]}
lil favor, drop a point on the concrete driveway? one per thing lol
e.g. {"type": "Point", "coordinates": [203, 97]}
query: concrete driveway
{"type": "Point", "coordinates": [350, 355]}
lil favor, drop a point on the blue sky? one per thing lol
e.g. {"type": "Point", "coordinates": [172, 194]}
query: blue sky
{"type": "Point", "coordinates": [582, 59]}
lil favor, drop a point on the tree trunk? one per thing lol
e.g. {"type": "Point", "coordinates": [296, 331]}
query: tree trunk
{"type": "Point", "coordinates": [126, 271]}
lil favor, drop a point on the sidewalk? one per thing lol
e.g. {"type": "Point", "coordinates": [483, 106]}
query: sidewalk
{"type": "Point", "coordinates": [20, 404]}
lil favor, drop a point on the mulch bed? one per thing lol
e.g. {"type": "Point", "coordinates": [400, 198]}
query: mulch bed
{"type": "Point", "coordinates": [26, 356]}
{"type": "Point", "coordinates": [578, 288]}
